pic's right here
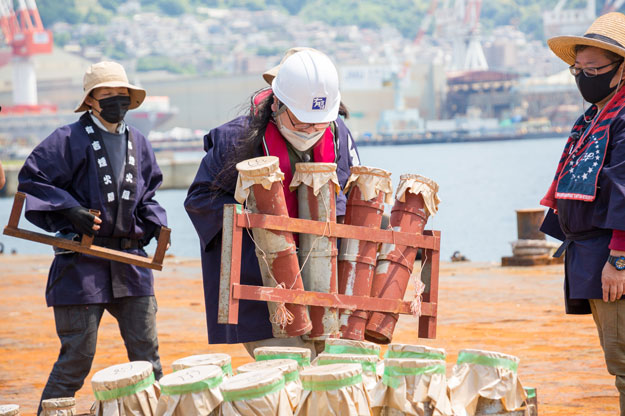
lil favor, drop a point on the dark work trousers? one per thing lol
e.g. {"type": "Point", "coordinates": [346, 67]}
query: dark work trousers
{"type": "Point", "coordinates": [77, 328]}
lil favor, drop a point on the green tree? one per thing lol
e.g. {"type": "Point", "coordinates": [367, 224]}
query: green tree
{"type": "Point", "coordinates": [268, 51]}
{"type": "Point", "coordinates": [116, 51]}
{"type": "Point", "coordinates": [404, 15]}
{"type": "Point", "coordinates": [246, 4]}
{"type": "Point", "coordinates": [93, 39]}
{"type": "Point", "coordinates": [58, 11]}
{"type": "Point", "coordinates": [61, 39]}
{"type": "Point", "coordinates": [172, 7]}
{"type": "Point", "coordinates": [111, 5]}
{"type": "Point", "coordinates": [97, 16]}
{"type": "Point", "coordinates": [532, 22]}
{"type": "Point", "coordinates": [163, 63]}
{"type": "Point", "coordinates": [292, 6]}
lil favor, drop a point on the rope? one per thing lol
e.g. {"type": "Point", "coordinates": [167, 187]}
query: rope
{"type": "Point", "coordinates": [415, 305]}
{"type": "Point", "coordinates": [325, 228]}
{"type": "Point", "coordinates": [281, 316]}
{"type": "Point", "coordinates": [264, 255]}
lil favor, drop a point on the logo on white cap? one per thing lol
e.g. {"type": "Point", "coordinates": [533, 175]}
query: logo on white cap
{"type": "Point", "coordinates": [319, 103]}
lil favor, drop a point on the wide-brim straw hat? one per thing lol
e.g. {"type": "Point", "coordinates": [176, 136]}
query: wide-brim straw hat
{"type": "Point", "coordinates": [606, 32]}
{"type": "Point", "coordinates": [109, 74]}
{"type": "Point", "coordinates": [270, 74]}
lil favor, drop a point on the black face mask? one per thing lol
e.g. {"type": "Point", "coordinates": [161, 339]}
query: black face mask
{"type": "Point", "coordinates": [595, 89]}
{"type": "Point", "coordinates": [113, 109]}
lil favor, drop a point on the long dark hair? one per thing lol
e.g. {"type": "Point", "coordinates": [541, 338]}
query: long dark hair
{"type": "Point", "coordinates": [246, 146]}
{"type": "Point", "coordinates": [260, 114]}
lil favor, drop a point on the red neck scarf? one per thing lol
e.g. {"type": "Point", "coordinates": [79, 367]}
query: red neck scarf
{"type": "Point", "coordinates": [275, 145]}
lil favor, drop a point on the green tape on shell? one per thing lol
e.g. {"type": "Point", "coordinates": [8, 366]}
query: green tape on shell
{"type": "Point", "coordinates": [124, 391]}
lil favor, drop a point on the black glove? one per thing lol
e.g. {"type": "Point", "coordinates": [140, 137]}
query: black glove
{"type": "Point", "coordinates": [157, 234]}
{"type": "Point", "coordinates": [81, 219]}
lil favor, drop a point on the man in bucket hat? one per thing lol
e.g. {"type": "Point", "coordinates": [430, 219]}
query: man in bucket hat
{"type": "Point", "coordinates": [587, 196]}
{"type": "Point", "coordinates": [101, 163]}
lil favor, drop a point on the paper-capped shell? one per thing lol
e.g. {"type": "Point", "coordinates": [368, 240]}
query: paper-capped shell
{"type": "Point", "coordinates": [263, 170]}
{"type": "Point", "coordinates": [370, 181]}
{"type": "Point", "coordinates": [417, 184]}
{"type": "Point", "coordinates": [121, 375]}
{"type": "Point", "coordinates": [315, 175]}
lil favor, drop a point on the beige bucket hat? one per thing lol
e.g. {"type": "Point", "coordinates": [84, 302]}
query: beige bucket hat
{"type": "Point", "coordinates": [109, 74]}
{"type": "Point", "coordinates": [270, 74]}
{"type": "Point", "coordinates": [606, 32]}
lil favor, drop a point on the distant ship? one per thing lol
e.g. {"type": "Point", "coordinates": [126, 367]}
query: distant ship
{"type": "Point", "coordinates": [21, 130]}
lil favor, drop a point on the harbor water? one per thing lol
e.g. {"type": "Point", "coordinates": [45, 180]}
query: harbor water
{"type": "Point", "coordinates": [481, 186]}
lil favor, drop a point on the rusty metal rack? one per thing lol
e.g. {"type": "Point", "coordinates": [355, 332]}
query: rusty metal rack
{"type": "Point", "coordinates": [85, 245]}
{"type": "Point", "coordinates": [231, 291]}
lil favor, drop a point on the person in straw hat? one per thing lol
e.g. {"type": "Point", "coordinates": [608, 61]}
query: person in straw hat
{"type": "Point", "coordinates": [587, 196]}
{"type": "Point", "coordinates": [297, 119]}
{"type": "Point", "coordinates": [101, 163]}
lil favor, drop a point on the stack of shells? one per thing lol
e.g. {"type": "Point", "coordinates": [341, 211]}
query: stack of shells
{"type": "Point", "coordinates": [410, 381]}
{"type": "Point", "coordinates": [415, 200]}
{"type": "Point", "coordinates": [383, 271]}
{"type": "Point", "coordinates": [364, 268]}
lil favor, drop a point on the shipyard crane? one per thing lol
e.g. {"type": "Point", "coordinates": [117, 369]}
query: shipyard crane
{"type": "Point", "coordinates": [458, 20]}
{"type": "Point", "coordinates": [474, 58]}
{"type": "Point", "coordinates": [23, 32]}
{"type": "Point", "coordinates": [426, 22]}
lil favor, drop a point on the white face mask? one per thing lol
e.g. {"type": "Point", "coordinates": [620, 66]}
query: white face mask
{"type": "Point", "coordinates": [300, 140]}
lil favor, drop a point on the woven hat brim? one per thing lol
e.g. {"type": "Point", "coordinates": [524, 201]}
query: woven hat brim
{"type": "Point", "coordinates": [137, 95]}
{"type": "Point", "coordinates": [564, 46]}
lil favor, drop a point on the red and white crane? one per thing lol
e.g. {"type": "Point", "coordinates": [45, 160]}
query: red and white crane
{"type": "Point", "coordinates": [426, 22]}
{"type": "Point", "coordinates": [25, 35]}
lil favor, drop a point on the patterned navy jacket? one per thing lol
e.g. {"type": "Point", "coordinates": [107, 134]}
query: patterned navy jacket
{"type": "Point", "coordinates": [71, 168]}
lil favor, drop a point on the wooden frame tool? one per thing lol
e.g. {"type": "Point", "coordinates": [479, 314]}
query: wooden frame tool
{"type": "Point", "coordinates": [231, 291]}
{"type": "Point", "coordinates": [85, 245]}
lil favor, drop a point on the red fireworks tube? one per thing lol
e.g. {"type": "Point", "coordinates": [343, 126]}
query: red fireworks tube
{"type": "Point", "coordinates": [259, 185]}
{"type": "Point", "coordinates": [317, 186]}
{"type": "Point", "coordinates": [416, 199]}
{"type": "Point", "coordinates": [368, 189]}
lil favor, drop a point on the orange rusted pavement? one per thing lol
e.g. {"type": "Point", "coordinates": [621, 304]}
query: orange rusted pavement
{"type": "Point", "coordinates": [517, 311]}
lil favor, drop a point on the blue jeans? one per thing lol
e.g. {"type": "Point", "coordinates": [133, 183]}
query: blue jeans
{"type": "Point", "coordinates": [77, 328]}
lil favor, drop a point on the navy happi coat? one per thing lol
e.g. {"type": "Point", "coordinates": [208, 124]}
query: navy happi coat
{"type": "Point", "coordinates": [71, 168]}
{"type": "Point", "coordinates": [595, 176]}
{"type": "Point", "coordinates": [205, 208]}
